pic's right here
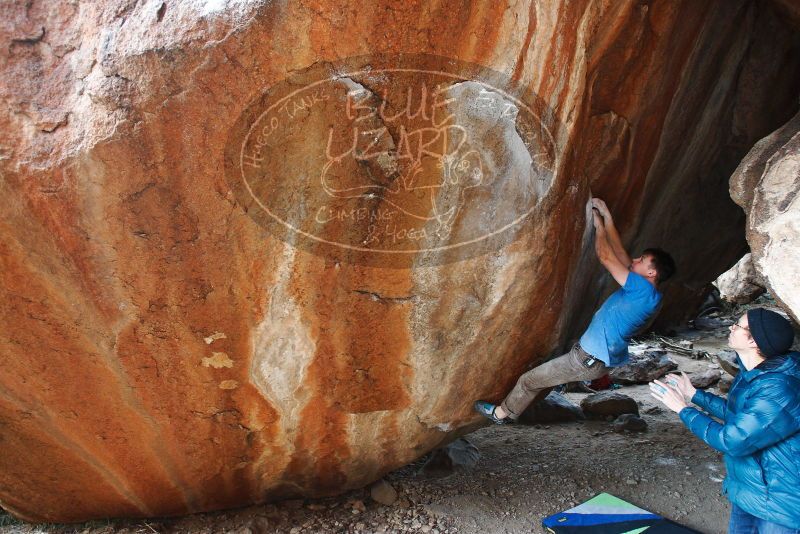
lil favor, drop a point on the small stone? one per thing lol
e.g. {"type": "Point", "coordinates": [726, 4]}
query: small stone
{"type": "Point", "coordinates": [605, 403]}
{"type": "Point", "coordinates": [643, 368]}
{"type": "Point", "coordinates": [454, 457]}
{"type": "Point", "coordinates": [728, 361]}
{"type": "Point", "coordinates": [554, 408]}
{"type": "Point", "coordinates": [270, 510]}
{"type": "Point", "coordinates": [629, 422]}
{"type": "Point", "coordinates": [706, 379]}
{"type": "Point", "coordinates": [403, 502]}
{"type": "Point", "coordinates": [260, 525]}
{"type": "Point", "coordinates": [293, 504]}
{"type": "Point", "coordinates": [724, 384]}
{"type": "Point", "coordinates": [359, 505]}
{"type": "Point", "coordinates": [383, 493]}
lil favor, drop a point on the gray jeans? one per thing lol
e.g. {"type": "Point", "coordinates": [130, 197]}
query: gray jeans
{"type": "Point", "coordinates": [570, 367]}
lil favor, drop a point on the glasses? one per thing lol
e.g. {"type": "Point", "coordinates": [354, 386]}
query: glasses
{"type": "Point", "coordinates": [734, 326]}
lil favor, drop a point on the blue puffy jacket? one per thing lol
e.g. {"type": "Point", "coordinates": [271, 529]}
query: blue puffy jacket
{"type": "Point", "coordinates": [760, 438]}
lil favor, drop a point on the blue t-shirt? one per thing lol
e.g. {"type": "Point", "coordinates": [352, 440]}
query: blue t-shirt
{"type": "Point", "coordinates": [627, 310]}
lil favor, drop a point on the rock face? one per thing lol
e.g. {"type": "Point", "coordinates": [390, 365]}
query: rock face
{"type": "Point", "coordinates": [706, 379]}
{"type": "Point", "coordinates": [643, 367]}
{"type": "Point", "coordinates": [554, 408]}
{"type": "Point", "coordinates": [382, 492]}
{"type": "Point", "coordinates": [740, 284]}
{"type": "Point", "coordinates": [608, 403]}
{"type": "Point", "coordinates": [766, 186]}
{"type": "Point", "coordinates": [728, 361]}
{"type": "Point", "coordinates": [454, 457]}
{"type": "Point", "coordinates": [245, 256]}
{"type": "Point", "coordinates": [629, 422]}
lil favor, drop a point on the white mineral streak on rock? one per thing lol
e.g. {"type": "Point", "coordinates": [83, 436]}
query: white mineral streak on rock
{"type": "Point", "coordinates": [282, 349]}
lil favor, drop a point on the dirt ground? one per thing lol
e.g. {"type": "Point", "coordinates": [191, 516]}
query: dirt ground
{"type": "Point", "coordinates": [524, 474]}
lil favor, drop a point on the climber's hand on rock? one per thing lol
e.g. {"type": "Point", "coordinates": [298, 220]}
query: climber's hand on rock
{"type": "Point", "coordinates": [600, 205]}
{"type": "Point", "coordinates": [597, 219]}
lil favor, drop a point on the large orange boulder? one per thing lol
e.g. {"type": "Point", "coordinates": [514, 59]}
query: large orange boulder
{"type": "Point", "coordinates": [256, 250]}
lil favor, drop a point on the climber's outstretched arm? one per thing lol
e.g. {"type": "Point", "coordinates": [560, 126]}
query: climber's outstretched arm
{"type": "Point", "coordinates": [605, 252]}
{"type": "Point", "coordinates": [611, 232]}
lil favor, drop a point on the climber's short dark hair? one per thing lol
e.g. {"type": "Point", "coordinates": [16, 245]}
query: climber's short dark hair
{"type": "Point", "coordinates": [662, 262]}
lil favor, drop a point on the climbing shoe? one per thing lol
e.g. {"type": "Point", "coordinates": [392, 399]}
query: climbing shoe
{"type": "Point", "coordinates": [487, 409]}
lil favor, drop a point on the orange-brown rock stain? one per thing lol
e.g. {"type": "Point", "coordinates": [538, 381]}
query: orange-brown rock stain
{"type": "Point", "coordinates": [519, 68]}
{"type": "Point", "coordinates": [64, 482]}
{"type": "Point", "coordinates": [392, 27]}
{"type": "Point", "coordinates": [110, 281]}
{"type": "Point", "coordinates": [51, 199]}
{"type": "Point", "coordinates": [75, 400]}
{"type": "Point", "coordinates": [200, 279]}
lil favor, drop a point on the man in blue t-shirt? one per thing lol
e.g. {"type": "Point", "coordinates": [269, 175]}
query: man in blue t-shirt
{"type": "Point", "coordinates": [605, 342]}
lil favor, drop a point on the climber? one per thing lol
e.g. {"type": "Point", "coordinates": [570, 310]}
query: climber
{"type": "Point", "coordinates": [759, 435]}
{"type": "Point", "coordinates": [605, 342]}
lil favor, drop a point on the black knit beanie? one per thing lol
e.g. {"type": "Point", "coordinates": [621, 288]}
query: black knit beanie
{"type": "Point", "coordinates": [771, 331]}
